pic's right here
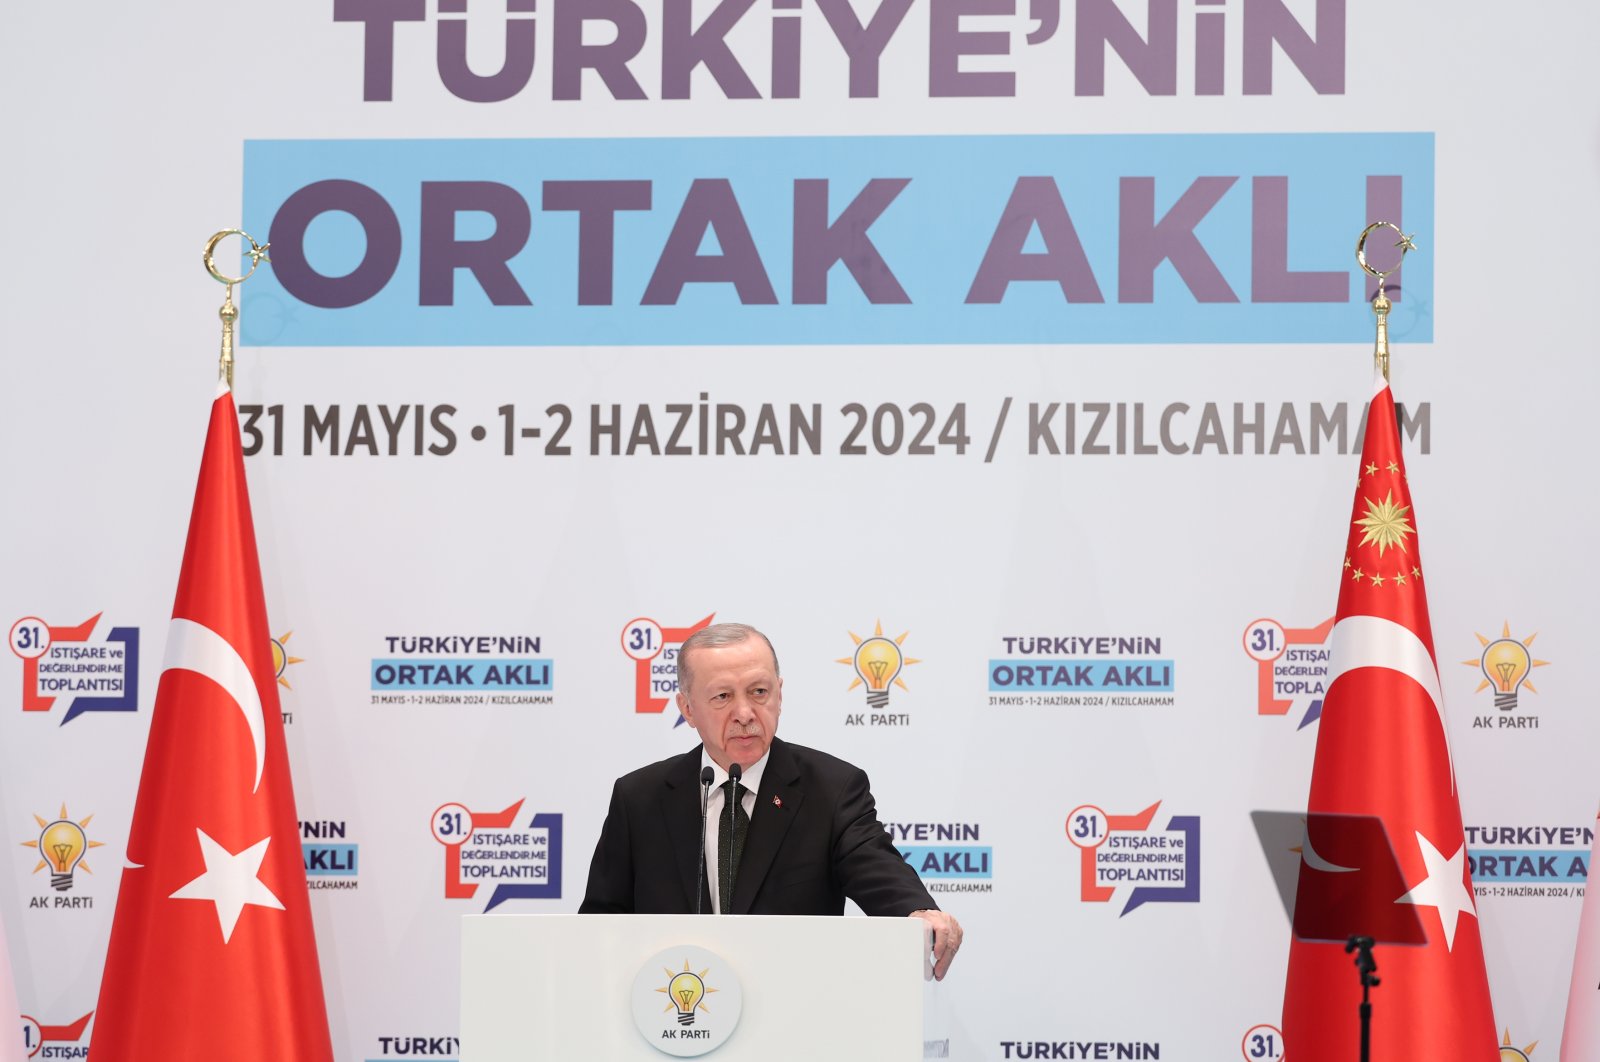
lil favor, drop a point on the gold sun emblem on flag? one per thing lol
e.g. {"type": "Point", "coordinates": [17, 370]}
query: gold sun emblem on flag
{"type": "Point", "coordinates": [1513, 1054]}
{"type": "Point", "coordinates": [1385, 524]}
{"type": "Point", "coordinates": [281, 659]}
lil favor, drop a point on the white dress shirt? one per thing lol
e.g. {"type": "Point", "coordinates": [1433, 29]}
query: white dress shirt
{"type": "Point", "coordinates": [717, 812]}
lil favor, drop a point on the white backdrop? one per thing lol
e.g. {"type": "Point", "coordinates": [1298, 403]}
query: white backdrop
{"type": "Point", "coordinates": [136, 133]}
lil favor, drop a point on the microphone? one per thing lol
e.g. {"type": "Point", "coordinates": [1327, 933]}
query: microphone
{"type": "Point", "coordinates": [706, 776]}
{"type": "Point", "coordinates": [735, 772]}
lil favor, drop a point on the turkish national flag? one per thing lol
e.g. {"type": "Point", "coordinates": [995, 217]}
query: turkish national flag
{"type": "Point", "coordinates": [1580, 1039]}
{"type": "Point", "coordinates": [212, 953]}
{"type": "Point", "coordinates": [1383, 751]}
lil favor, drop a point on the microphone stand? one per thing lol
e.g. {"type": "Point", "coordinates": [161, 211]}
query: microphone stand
{"type": "Point", "coordinates": [706, 776]}
{"type": "Point", "coordinates": [1362, 946]}
{"type": "Point", "coordinates": [735, 772]}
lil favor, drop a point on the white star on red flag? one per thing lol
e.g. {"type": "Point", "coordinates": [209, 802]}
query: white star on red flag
{"type": "Point", "coordinates": [231, 881]}
{"type": "Point", "coordinates": [1444, 888]}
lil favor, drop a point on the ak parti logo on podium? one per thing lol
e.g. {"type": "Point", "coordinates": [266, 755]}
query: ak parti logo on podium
{"type": "Point", "coordinates": [686, 1001]}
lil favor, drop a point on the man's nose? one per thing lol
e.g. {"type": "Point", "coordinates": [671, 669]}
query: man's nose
{"type": "Point", "coordinates": [743, 710]}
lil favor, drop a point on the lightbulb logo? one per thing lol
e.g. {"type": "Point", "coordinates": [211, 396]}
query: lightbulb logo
{"type": "Point", "coordinates": [686, 975]}
{"type": "Point", "coordinates": [878, 662]}
{"type": "Point", "coordinates": [1515, 1054]}
{"type": "Point", "coordinates": [281, 659]}
{"type": "Point", "coordinates": [686, 992]}
{"type": "Point", "coordinates": [62, 844]}
{"type": "Point", "coordinates": [1506, 663]}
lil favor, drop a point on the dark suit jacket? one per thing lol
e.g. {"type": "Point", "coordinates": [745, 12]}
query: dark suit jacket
{"type": "Point", "coordinates": [803, 855]}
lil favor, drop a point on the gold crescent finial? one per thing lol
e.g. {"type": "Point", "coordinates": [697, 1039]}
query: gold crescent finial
{"type": "Point", "coordinates": [229, 312]}
{"type": "Point", "coordinates": [1380, 302]}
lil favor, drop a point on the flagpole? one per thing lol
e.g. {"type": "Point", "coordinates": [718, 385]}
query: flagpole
{"type": "Point", "coordinates": [1380, 301]}
{"type": "Point", "coordinates": [1363, 945]}
{"type": "Point", "coordinates": [229, 312]}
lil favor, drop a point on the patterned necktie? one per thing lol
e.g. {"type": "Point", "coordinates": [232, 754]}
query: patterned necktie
{"type": "Point", "coordinates": [730, 845]}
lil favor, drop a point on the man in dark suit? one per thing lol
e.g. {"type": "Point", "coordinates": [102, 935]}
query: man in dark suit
{"type": "Point", "coordinates": [802, 835]}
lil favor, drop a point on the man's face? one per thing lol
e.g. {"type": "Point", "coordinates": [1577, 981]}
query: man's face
{"type": "Point", "coordinates": [733, 700]}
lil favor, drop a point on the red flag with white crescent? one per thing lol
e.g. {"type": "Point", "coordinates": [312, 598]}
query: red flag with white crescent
{"type": "Point", "coordinates": [1383, 750]}
{"type": "Point", "coordinates": [212, 953]}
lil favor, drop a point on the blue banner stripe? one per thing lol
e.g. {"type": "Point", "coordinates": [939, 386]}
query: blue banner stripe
{"type": "Point", "coordinates": [420, 674]}
{"type": "Point", "coordinates": [1080, 676]}
{"type": "Point", "coordinates": [1528, 864]}
{"type": "Point", "coordinates": [339, 860]}
{"type": "Point", "coordinates": [931, 235]}
{"type": "Point", "coordinates": [951, 861]}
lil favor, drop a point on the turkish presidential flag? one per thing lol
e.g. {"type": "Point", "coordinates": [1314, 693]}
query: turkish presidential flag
{"type": "Point", "coordinates": [212, 953]}
{"type": "Point", "coordinates": [1580, 1039]}
{"type": "Point", "coordinates": [1383, 751]}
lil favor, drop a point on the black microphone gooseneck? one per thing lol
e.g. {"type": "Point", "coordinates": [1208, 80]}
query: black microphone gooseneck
{"type": "Point", "coordinates": [735, 772]}
{"type": "Point", "coordinates": [706, 777]}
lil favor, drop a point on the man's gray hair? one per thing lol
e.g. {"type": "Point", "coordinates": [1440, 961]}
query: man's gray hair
{"type": "Point", "coordinates": [715, 637]}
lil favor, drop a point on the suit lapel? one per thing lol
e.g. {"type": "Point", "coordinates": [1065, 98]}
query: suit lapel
{"type": "Point", "coordinates": [768, 825]}
{"type": "Point", "coordinates": [681, 809]}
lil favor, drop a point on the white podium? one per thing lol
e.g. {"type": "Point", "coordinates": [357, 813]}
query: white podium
{"type": "Point", "coordinates": [562, 988]}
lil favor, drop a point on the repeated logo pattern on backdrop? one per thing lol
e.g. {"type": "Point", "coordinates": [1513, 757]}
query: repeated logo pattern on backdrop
{"type": "Point", "coordinates": [654, 652]}
{"type": "Point", "coordinates": [490, 848]}
{"type": "Point", "coordinates": [69, 664]}
{"type": "Point", "coordinates": [62, 845]}
{"type": "Point", "coordinates": [1124, 856]}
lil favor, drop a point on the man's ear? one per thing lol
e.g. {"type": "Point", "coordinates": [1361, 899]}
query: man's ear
{"type": "Point", "coordinates": [684, 710]}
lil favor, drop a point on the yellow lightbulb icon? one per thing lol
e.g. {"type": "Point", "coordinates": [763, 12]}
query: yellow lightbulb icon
{"type": "Point", "coordinates": [1506, 663]}
{"type": "Point", "coordinates": [1508, 1053]}
{"type": "Point", "coordinates": [686, 990]}
{"type": "Point", "coordinates": [62, 845]}
{"type": "Point", "coordinates": [281, 659]}
{"type": "Point", "coordinates": [878, 662]}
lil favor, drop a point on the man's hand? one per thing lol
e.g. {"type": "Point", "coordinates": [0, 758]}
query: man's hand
{"type": "Point", "coordinates": [946, 939]}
